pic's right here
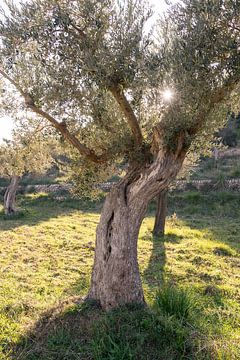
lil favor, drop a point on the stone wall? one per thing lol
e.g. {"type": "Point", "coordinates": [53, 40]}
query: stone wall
{"type": "Point", "coordinates": [182, 185]}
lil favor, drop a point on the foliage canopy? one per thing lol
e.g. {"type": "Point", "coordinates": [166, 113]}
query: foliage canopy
{"type": "Point", "coordinates": [29, 150]}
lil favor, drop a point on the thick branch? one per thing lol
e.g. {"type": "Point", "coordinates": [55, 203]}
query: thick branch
{"type": "Point", "coordinates": [121, 100]}
{"type": "Point", "coordinates": [129, 114]}
{"type": "Point", "coordinates": [61, 127]}
{"type": "Point", "coordinates": [218, 96]}
{"type": "Point", "coordinates": [5, 75]}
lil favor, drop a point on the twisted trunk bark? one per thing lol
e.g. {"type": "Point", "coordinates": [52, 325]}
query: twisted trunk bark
{"type": "Point", "coordinates": [115, 278]}
{"type": "Point", "coordinates": [161, 213]}
{"type": "Point", "coordinates": [10, 196]}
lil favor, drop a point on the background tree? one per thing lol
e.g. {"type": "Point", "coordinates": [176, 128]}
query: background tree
{"type": "Point", "coordinates": [229, 134]}
{"type": "Point", "coordinates": [198, 148]}
{"type": "Point", "coordinates": [93, 63]}
{"type": "Point", "coordinates": [161, 214]}
{"type": "Point", "coordinates": [26, 152]}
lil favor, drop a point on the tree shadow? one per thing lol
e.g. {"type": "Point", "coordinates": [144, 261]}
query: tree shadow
{"type": "Point", "coordinates": [63, 332]}
{"type": "Point", "coordinates": [80, 330]}
{"type": "Point", "coordinates": [173, 238]}
{"type": "Point", "coordinates": [214, 212]}
{"type": "Point", "coordinates": [222, 230]}
{"type": "Point", "coordinates": [34, 210]}
{"type": "Point", "coordinates": [154, 275]}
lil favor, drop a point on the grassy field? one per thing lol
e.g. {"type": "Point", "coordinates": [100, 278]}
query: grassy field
{"type": "Point", "coordinates": [191, 282]}
{"type": "Point", "coordinates": [224, 168]}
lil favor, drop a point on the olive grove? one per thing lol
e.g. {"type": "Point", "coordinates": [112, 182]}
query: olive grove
{"type": "Point", "coordinates": [98, 77]}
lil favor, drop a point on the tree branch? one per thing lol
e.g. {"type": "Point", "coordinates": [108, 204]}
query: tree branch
{"type": "Point", "coordinates": [6, 76]}
{"type": "Point", "coordinates": [121, 100]}
{"type": "Point", "coordinates": [128, 112]}
{"type": "Point", "coordinates": [215, 98]}
{"type": "Point", "coordinates": [61, 127]}
{"type": "Point", "coordinates": [181, 139]}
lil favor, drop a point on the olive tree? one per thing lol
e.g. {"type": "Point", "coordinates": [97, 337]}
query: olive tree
{"type": "Point", "coordinates": [25, 152]}
{"type": "Point", "coordinates": [93, 63]}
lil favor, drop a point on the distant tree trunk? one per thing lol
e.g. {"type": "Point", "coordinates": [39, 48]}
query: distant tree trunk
{"type": "Point", "coordinates": [10, 196]}
{"type": "Point", "coordinates": [115, 277]}
{"type": "Point", "coordinates": [161, 213]}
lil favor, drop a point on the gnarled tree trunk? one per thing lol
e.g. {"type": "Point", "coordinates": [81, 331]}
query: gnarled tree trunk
{"type": "Point", "coordinates": [161, 213]}
{"type": "Point", "coordinates": [10, 196]}
{"type": "Point", "coordinates": [116, 278]}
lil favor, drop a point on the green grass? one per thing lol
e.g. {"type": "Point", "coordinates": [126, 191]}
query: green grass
{"type": "Point", "coordinates": [172, 301]}
{"type": "Point", "coordinates": [191, 282]}
{"type": "Point", "coordinates": [225, 167]}
{"type": "Point", "coordinates": [37, 180]}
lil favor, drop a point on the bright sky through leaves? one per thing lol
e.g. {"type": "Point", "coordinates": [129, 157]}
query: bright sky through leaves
{"type": "Point", "coordinates": [168, 95]}
{"type": "Point", "coordinates": [6, 123]}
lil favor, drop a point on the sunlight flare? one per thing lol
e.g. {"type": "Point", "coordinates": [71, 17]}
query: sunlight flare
{"type": "Point", "coordinates": [168, 95]}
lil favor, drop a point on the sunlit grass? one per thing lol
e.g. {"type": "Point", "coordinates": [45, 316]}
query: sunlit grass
{"type": "Point", "coordinates": [47, 255]}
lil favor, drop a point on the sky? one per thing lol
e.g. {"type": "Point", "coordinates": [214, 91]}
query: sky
{"type": "Point", "coordinates": [6, 123]}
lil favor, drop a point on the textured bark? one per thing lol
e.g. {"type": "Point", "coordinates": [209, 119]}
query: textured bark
{"type": "Point", "coordinates": [129, 113]}
{"type": "Point", "coordinates": [161, 213]}
{"type": "Point", "coordinates": [115, 277]}
{"type": "Point", "coordinates": [10, 196]}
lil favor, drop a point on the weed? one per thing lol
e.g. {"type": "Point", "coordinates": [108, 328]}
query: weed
{"type": "Point", "coordinates": [176, 302]}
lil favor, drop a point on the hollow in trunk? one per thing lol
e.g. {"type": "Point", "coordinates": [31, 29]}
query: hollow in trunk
{"type": "Point", "coordinates": [116, 278]}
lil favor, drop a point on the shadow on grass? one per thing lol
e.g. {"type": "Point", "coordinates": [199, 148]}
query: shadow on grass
{"type": "Point", "coordinates": [154, 274]}
{"type": "Point", "coordinates": [223, 230]}
{"type": "Point", "coordinates": [36, 209]}
{"type": "Point", "coordinates": [81, 330]}
{"type": "Point", "coordinates": [206, 217]}
{"type": "Point", "coordinates": [63, 332]}
{"type": "Point", "coordinates": [173, 238]}
{"type": "Point", "coordinates": [216, 212]}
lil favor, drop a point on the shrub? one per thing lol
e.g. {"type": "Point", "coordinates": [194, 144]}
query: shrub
{"type": "Point", "coordinates": [175, 302]}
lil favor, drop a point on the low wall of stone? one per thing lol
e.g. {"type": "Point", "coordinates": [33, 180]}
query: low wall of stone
{"type": "Point", "coordinates": [182, 185]}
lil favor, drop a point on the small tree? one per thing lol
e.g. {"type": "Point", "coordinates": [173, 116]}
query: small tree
{"type": "Point", "coordinates": [24, 153]}
{"type": "Point", "coordinates": [93, 63]}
